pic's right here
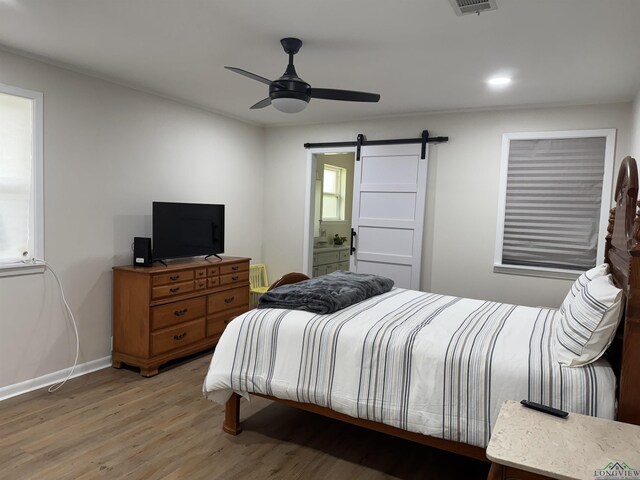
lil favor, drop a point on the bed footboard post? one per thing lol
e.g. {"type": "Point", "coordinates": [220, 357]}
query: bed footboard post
{"type": "Point", "coordinates": [231, 423]}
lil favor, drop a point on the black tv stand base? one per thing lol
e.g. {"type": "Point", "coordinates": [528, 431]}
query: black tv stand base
{"type": "Point", "coordinates": [213, 255]}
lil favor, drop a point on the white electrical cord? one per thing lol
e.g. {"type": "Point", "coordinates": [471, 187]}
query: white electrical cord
{"type": "Point", "coordinates": [57, 385]}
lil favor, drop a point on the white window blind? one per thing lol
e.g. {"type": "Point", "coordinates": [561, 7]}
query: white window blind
{"type": "Point", "coordinates": [20, 175]}
{"type": "Point", "coordinates": [555, 194]}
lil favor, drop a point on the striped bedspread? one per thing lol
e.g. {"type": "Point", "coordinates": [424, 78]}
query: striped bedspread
{"type": "Point", "coordinates": [423, 362]}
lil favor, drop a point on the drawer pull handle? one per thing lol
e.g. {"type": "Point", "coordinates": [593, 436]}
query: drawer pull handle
{"type": "Point", "coordinates": [234, 277]}
{"type": "Point", "coordinates": [179, 313]}
{"type": "Point", "coordinates": [229, 299]}
{"type": "Point", "coordinates": [235, 268]}
{"type": "Point", "coordinates": [174, 289]}
{"type": "Point", "coordinates": [180, 337]}
{"type": "Point", "coordinates": [174, 277]}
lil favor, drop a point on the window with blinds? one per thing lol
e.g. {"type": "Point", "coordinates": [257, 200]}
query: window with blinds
{"type": "Point", "coordinates": [20, 176]}
{"type": "Point", "coordinates": [555, 197]}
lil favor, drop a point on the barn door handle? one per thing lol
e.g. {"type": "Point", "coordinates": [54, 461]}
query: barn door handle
{"type": "Point", "coordinates": [352, 249]}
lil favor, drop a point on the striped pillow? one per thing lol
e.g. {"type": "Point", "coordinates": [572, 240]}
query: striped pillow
{"type": "Point", "coordinates": [588, 323]}
{"type": "Point", "coordinates": [579, 284]}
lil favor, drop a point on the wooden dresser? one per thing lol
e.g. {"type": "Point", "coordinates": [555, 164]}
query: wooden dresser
{"type": "Point", "coordinates": [162, 313]}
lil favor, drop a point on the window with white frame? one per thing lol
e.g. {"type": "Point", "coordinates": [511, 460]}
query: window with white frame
{"type": "Point", "coordinates": [21, 188]}
{"type": "Point", "coordinates": [555, 193]}
{"type": "Point", "coordinates": [333, 193]}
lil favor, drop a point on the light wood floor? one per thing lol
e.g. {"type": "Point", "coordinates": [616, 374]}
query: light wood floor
{"type": "Point", "coordinates": [115, 424]}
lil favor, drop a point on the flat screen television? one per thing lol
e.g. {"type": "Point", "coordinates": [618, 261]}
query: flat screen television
{"type": "Point", "coordinates": [187, 230]}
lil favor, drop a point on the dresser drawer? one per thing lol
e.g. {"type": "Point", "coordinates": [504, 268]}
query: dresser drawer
{"type": "Point", "coordinates": [171, 290]}
{"type": "Point", "coordinates": [320, 270]}
{"type": "Point", "coordinates": [234, 278]}
{"type": "Point", "coordinates": [331, 268]}
{"type": "Point", "coordinates": [234, 298]}
{"type": "Point", "coordinates": [178, 336]}
{"type": "Point", "coordinates": [177, 312]}
{"type": "Point", "coordinates": [328, 257]}
{"type": "Point", "coordinates": [201, 283]}
{"type": "Point", "coordinates": [175, 277]}
{"type": "Point", "coordinates": [344, 255]}
{"type": "Point", "coordinates": [234, 267]}
{"type": "Point", "coordinates": [201, 273]}
{"type": "Point", "coordinates": [213, 282]}
{"type": "Point", "coordinates": [217, 323]}
{"type": "Point", "coordinates": [213, 271]}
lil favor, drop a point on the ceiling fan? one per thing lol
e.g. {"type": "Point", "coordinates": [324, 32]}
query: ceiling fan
{"type": "Point", "coordinates": [291, 94]}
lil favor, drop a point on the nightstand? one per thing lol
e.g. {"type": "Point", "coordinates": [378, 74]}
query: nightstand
{"type": "Point", "coordinates": [526, 444]}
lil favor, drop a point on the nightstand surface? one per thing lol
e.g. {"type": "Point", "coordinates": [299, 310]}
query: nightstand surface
{"type": "Point", "coordinates": [576, 447]}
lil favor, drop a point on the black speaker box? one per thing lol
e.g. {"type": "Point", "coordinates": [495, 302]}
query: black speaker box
{"type": "Point", "coordinates": [142, 252]}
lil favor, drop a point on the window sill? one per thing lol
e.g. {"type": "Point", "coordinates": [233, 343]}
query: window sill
{"type": "Point", "coordinates": [18, 269]}
{"type": "Point", "coordinates": [536, 271]}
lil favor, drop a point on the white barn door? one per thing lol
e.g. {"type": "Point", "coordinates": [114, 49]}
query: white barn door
{"type": "Point", "coordinates": [390, 183]}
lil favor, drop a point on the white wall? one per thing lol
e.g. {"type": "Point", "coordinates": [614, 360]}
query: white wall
{"type": "Point", "coordinates": [108, 153]}
{"type": "Point", "coordinates": [462, 199]}
{"type": "Point", "coordinates": [635, 126]}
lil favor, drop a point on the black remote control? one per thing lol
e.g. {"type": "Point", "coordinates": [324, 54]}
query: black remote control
{"type": "Point", "coordinates": [543, 408]}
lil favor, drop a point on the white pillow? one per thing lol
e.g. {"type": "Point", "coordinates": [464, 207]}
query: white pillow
{"type": "Point", "coordinates": [589, 322]}
{"type": "Point", "coordinates": [578, 285]}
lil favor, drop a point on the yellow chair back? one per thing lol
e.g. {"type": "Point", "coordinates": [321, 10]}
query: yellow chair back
{"type": "Point", "coordinates": [258, 282]}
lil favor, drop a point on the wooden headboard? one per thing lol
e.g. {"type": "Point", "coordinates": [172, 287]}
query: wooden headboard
{"type": "Point", "coordinates": [622, 253]}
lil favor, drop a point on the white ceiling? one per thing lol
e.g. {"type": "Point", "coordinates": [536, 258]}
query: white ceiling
{"type": "Point", "coordinates": [417, 54]}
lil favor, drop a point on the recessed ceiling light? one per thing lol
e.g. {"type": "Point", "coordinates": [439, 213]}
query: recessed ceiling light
{"type": "Point", "coordinates": [499, 81]}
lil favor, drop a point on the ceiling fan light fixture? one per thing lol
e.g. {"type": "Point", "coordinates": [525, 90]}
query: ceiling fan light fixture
{"type": "Point", "coordinates": [289, 105]}
{"type": "Point", "coordinates": [291, 94]}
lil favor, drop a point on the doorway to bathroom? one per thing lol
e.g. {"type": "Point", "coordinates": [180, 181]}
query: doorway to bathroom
{"type": "Point", "coordinates": [332, 211]}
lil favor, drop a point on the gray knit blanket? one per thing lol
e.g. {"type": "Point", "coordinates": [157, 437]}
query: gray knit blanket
{"type": "Point", "coordinates": [327, 293]}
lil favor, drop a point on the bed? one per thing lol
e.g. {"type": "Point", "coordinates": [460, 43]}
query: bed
{"type": "Point", "coordinates": [432, 368]}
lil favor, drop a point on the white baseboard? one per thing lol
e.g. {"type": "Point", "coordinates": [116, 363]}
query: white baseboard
{"type": "Point", "coordinates": [51, 378]}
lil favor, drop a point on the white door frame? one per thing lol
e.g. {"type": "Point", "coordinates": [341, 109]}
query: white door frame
{"type": "Point", "coordinates": [310, 199]}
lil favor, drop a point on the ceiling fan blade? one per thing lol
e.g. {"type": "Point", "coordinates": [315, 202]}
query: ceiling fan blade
{"type": "Point", "coordinates": [250, 75]}
{"type": "Point", "coordinates": [261, 104]}
{"type": "Point", "coordinates": [344, 95]}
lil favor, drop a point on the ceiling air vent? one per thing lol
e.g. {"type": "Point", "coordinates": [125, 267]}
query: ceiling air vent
{"type": "Point", "coordinates": [465, 7]}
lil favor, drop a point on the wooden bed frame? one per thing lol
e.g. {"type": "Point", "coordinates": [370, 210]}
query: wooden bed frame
{"type": "Point", "coordinates": [622, 253]}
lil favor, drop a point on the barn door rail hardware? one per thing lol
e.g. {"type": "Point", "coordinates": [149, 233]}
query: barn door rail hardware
{"type": "Point", "coordinates": [362, 141]}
